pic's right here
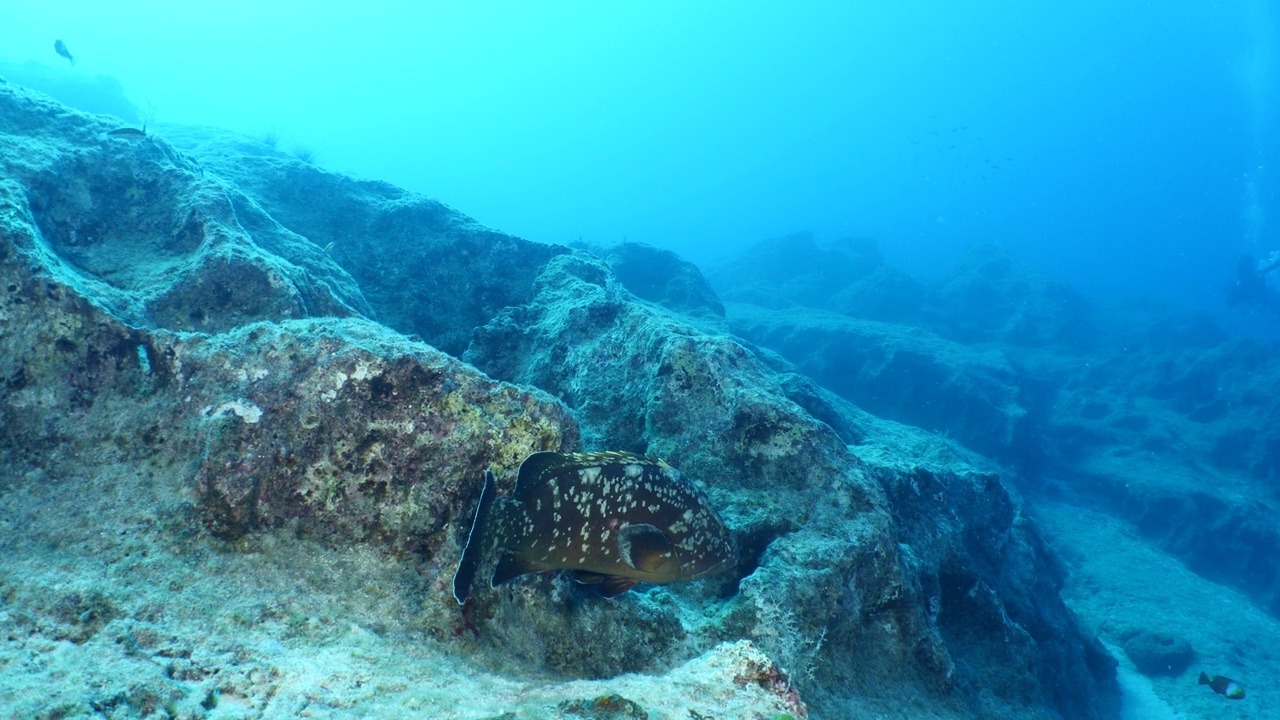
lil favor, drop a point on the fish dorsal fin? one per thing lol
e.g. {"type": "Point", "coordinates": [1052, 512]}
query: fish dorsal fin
{"type": "Point", "coordinates": [537, 469]}
{"type": "Point", "coordinates": [611, 586]}
{"type": "Point", "coordinates": [541, 467]}
{"type": "Point", "coordinates": [644, 547]}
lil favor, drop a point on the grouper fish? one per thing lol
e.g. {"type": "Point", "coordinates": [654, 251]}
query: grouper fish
{"type": "Point", "coordinates": [613, 519]}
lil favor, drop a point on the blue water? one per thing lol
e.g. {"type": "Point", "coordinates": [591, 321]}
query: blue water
{"type": "Point", "coordinates": [1129, 148]}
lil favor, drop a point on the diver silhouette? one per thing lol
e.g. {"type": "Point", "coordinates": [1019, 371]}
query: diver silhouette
{"type": "Point", "coordinates": [1250, 286]}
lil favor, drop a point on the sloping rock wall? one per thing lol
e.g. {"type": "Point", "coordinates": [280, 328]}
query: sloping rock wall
{"type": "Point", "coordinates": [826, 552]}
{"type": "Point", "coordinates": [905, 374]}
{"type": "Point", "coordinates": [424, 268]}
{"type": "Point", "coordinates": [189, 318]}
{"type": "Point", "coordinates": [1152, 413]}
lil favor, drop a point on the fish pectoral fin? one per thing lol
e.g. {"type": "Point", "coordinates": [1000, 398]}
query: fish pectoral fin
{"type": "Point", "coordinates": [644, 547]}
{"type": "Point", "coordinates": [615, 586]}
{"type": "Point", "coordinates": [509, 568]}
{"type": "Point", "coordinates": [586, 577]}
{"type": "Point", "coordinates": [611, 586]}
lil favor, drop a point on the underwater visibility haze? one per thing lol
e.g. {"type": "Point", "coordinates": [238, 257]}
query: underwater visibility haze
{"type": "Point", "coordinates": [1126, 147]}
{"type": "Point", "coordinates": [667, 360]}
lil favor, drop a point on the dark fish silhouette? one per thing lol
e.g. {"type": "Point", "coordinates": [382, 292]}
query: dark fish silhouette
{"type": "Point", "coordinates": [612, 518]}
{"type": "Point", "coordinates": [130, 133]}
{"type": "Point", "coordinates": [1224, 686]}
{"type": "Point", "coordinates": [61, 48]}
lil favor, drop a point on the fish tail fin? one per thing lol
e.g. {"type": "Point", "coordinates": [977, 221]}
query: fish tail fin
{"type": "Point", "coordinates": [1204, 679]}
{"type": "Point", "coordinates": [473, 553]}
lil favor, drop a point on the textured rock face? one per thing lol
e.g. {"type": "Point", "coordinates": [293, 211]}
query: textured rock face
{"type": "Point", "coordinates": [904, 374]}
{"type": "Point", "coordinates": [1174, 433]}
{"type": "Point", "coordinates": [989, 298]}
{"type": "Point", "coordinates": [142, 230]}
{"type": "Point", "coordinates": [847, 276]}
{"type": "Point", "coordinates": [1155, 653]}
{"type": "Point", "coordinates": [212, 351]}
{"type": "Point", "coordinates": [662, 277]}
{"type": "Point", "coordinates": [424, 268]}
{"type": "Point", "coordinates": [991, 588]}
{"type": "Point", "coordinates": [1154, 414]}
{"type": "Point", "coordinates": [336, 427]}
{"type": "Point", "coordinates": [826, 554]}
{"type": "Point", "coordinates": [353, 432]}
{"type": "Point", "coordinates": [329, 423]}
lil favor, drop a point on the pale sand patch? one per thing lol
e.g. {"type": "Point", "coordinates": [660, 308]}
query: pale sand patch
{"type": "Point", "coordinates": [1120, 583]}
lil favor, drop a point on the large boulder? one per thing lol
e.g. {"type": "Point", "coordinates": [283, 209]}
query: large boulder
{"type": "Point", "coordinates": [424, 268]}
{"type": "Point", "coordinates": [663, 277]}
{"type": "Point", "coordinates": [901, 373]}
{"type": "Point", "coordinates": [990, 297]}
{"type": "Point", "coordinates": [861, 569]}
{"type": "Point", "coordinates": [1158, 653]}
{"type": "Point", "coordinates": [847, 276]}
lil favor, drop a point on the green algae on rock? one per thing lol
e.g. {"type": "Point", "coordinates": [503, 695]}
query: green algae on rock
{"type": "Point", "coordinates": [351, 429]}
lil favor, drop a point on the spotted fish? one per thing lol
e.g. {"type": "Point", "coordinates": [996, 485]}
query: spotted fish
{"type": "Point", "coordinates": [612, 518]}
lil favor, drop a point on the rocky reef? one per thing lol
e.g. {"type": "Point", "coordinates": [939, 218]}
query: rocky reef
{"type": "Point", "coordinates": [903, 373]}
{"type": "Point", "coordinates": [1148, 414]}
{"type": "Point", "coordinates": [248, 403]}
{"type": "Point", "coordinates": [1171, 426]}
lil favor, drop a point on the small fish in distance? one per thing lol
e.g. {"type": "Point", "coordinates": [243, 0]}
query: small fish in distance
{"type": "Point", "coordinates": [613, 519]}
{"type": "Point", "coordinates": [128, 133]}
{"type": "Point", "coordinates": [61, 48]}
{"type": "Point", "coordinates": [1224, 686]}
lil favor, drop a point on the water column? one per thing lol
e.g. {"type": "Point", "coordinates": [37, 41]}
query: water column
{"type": "Point", "coordinates": [1259, 192]}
